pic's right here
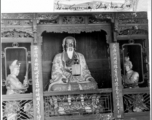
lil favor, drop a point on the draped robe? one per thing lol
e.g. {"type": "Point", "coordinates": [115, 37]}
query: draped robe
{"type": "Point", "coordinates": [60, 70]}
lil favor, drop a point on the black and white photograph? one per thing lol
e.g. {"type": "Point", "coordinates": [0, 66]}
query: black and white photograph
{"type": "Point", "coordinates": [76, 60]}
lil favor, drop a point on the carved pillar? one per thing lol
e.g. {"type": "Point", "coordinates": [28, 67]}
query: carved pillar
{"type": "Point", "coordinates": [116, 81]}
{"type": "Point", "coordinates": [115, 27]}
{"type": "Point", "coordinates": [37, 76]}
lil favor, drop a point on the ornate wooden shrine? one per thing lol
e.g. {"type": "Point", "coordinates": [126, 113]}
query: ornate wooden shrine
{"type": "Point", "coordinates": [103, 38]}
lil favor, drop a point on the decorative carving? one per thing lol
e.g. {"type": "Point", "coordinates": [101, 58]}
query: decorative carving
{"type": "Point", "coordinates": [132, 15]}
{"type": "Point", "coordinates": [17, 15]}
{"type": "Point", "coordinates": [103, 16]}
{"type": "Point", "coordinates": [28, 108]}
{"type": "Point", "coordinates": [46, 16]}
{"type": "Point", "coordinates": [108, 116]}
{"type": "Point", "coordinates": [36, 68]}
{"type": "Point", "coordinates": [17, 109]}
{"type": "Point", "coordinates": [133, 30]}
{"type": "Point", "coordinates": [73, 20]}
{"type": "Point", "coordinates": [16, 22]}
{"type": "Point", "coordinates": [15, 45]}
{"type": "Point", "coordinates": [73, 29]}
{"type": "Point", "coordinates": [77, 104]}
{"type": "Point", "coordinates": [47, 22]}
{"type": "Point", "coordinates": [136, 102]}
{"type": "Point", "coordinates": [94, 20]}
{"type": "Point", "coordinates": [128, 21]}
{"type": "Point", "coordinates": [16, 32]}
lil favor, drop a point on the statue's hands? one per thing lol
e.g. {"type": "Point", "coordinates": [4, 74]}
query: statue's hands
{"type": "Point", "coordinates": [90, 79]}
{"type": "Point", "coordinates": [64, 80]}
{"type": "Point", "coordinates": [51, 81]}
{"type": "Point", "coordinates": [25, 83]}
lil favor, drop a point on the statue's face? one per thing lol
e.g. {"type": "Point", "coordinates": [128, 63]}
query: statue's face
{"type": "Point", "coordinates": [16, 71]}
{"type": "Point", "coordinates": [69, 47]}
{"type": "Point", "coordinates": [69, 43]}
{"type": "Point", "coordinates": [127, 67]}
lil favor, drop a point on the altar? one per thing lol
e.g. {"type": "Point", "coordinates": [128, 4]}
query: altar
{"type": "Point", "coordinates": [104, 39]}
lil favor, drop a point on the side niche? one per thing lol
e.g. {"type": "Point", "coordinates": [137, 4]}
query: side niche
{"type": "Point", "coordinates": [135, 53]}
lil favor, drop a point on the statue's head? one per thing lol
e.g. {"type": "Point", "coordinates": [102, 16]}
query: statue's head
{"type": "Point", "coordinates": [128, 64]}
{"type": "Point", "coordinates": [14, 68]}
{"type": "Point", "coordinates": [69, 45]}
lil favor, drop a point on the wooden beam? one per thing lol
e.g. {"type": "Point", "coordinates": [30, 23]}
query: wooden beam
{"type": "Point", "coordinates": [17, 40]}
{"type": "Point", "coordinates": [116, 81]}
{"type": "Point", "coordinates": [37, 82]}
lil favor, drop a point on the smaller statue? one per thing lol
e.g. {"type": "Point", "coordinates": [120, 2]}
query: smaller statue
{"type": "Point", "coordinates": [13, 85]}
{"type": "Point", "coordinates": [130, 80]}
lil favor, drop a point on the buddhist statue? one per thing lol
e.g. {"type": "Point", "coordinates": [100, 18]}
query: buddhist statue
{"type": "Point", "coordinates": [131, 78]}
{"type": "Point", "coordinates": [69, 70]}
{"type": "Point", "coordinates": [14, 86]}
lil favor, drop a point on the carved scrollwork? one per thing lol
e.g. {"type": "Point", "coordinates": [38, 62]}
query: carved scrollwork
{"type": "Point", "coordinates": [132, 15]}
{"type": "Point", "coordinates": [73, 20]}
{"type": "Point", "coordinates": [28, 108]}
{"type": "Point", "coordinates": [46, 16]}
{"type": "Point", "coordinates": [103, 16]}
{"type": "Point", "coordinates": [17, 16]}
{"type": "Point", "coordinates": [16, 23]}
{"type": "Point", "coordinates": [136, 102]}
{"type": "Point", "coordinates": [133, 30]}
{"type": "Point", "coordinates": [16, 33]}
{"type": "Point", "coordinates": [77, 104]}
{"type": "Point", "coordinates": [47, 22]}
{"type": "Point", "coordinates": [93, 20]}
{"type": "Point", "coordinates": [74, 29]}
{"type": "Point", "coordinates": [129, 21]}
{"type": "Point", "coordinates": [18, 109]}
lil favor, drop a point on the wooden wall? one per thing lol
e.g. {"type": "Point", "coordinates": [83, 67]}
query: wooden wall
{"type": "Point", "coordinates": [92, 45]}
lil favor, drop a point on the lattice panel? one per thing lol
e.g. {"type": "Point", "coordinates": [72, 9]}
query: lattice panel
{"type": "Point", "coordinates": [133, 21]}
{"type": "Point", "coordinates": [18, 110]}
{"type": "Point", "coordinates": [93, 20]}
{"type": "Point", "coordinates": [73, 20]}
{"type": "Point", "coordinates": [136, 102]}
{"type": "Point", "coordinates": [77, 104]}
{"type": "Point", "coordinates": [133, 32]}
{"type": "Point", "coordinates": [16, 23]}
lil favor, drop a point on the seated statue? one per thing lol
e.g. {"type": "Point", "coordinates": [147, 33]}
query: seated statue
{"type": "Point", "coordinates": [13, 85]}
{"type": "Point", "coordinates": [130, 80]}
{"type": "Point", "coordinates": [70, 71]}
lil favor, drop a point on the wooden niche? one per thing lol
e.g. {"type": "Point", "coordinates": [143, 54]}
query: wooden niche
{"type": "Point", "coordinates": [92, 45]}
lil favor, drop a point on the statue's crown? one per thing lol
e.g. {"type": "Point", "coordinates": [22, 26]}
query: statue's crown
{"type": "Point", "coordinates": [14, 65]}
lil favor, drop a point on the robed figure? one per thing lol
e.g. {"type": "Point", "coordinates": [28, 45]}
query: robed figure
{"type": "Point", "coordinates": [69, 70]}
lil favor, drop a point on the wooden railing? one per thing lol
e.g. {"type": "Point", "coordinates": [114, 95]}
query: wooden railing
{"type": "Point", "coordinates": [136, 102]}
{"type": "Point", "coordinates": [78, 105]}
{"type": "Point", "coordinates": [17, 106]}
